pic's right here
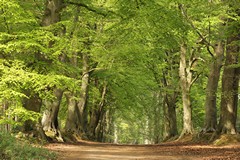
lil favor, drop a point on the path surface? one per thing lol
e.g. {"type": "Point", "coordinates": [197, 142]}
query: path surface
{"type": "Point", "coordinates": [170, 151]}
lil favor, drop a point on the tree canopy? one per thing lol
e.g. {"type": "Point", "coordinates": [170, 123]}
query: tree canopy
{"type": "Point", "coordinates": [119, 71]}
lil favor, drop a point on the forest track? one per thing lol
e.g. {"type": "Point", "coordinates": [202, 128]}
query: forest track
{"type": "Point", "coordinates": [167, 151]}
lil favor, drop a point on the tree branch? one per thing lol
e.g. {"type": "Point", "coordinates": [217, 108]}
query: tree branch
{"type": "Point", "coordinates": [209, 51]}
{"type": "Point", "coordinates": [204, 40]}
{"type": "Point", "coordinates": [94, 9]}
{"type": "Point", "coordinates": [195, 79]}
{"type": "Point", "coordinates": [92, 70]}
{"type": "Point", "coordinates": [195, 60]}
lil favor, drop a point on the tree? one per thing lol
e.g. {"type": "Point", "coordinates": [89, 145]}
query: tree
{"type": "Point", "coordinates": [214, 45]}
{"type": "Point", "coordinates": [212, 42]}
{"type": "Point", "coordinates": [82, 39]}
{"type": "Point", "coordinates": [230, 85]}
{"type": "Point", "coordinates": [73, 123]}
{"type": "Point", "coordinates": [166, 77]}
{"type": "Point", "coordinates": [211, 90]}
{"type": "Point", "coordinates": [50, 118]}
{"type": "Point", "coordinates": [97, 113]}
{"type": "Point", "coordinates": [126, 71]}
{"type": "Point", "coordinates": [19, 88]}
{"type": "Point", "coordinates": [185, 83]}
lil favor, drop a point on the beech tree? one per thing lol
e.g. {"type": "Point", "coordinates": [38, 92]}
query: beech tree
{"type": "Point", "coordinates": [118, 71]}
{"type": "Point", "coordinates": [230, 78]}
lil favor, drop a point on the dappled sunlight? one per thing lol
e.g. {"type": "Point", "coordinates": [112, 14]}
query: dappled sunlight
{"type": "Point", "coordinates": [118, 79]}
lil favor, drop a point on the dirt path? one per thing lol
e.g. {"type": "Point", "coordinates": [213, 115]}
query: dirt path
{"type": "Point", "coordinates": [98, 151]}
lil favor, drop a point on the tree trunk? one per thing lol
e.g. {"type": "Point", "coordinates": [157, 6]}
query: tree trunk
{"type": "Point", "coordinates": [73, 121]}
{"type": "Point", "coordinates": [109, 126]}
{"type": "Point", "coordinates": [33, 103]}
{"type": "Point", "coordinates": [73, 118]}
{"type": "Point", "coordinates": [82, 104]}
{"type": "Point", "coordinates": [49, 120]}
{"type": "Point", "coordinates": [157, 124]}
{"type": "Point", "coordinates": [50, 116]}
{"type": "Point", "coordinates": [52, 12]}
{"type": "Point", "coordinates": [96, 115]}
{"type": "Point", "coordinates": [170, 118]}
{"type": "Point", "coordinates": [94, 120]}
{"type": "Point", "coordinates": [230, 84]}
{"type": "Point", "coordinates": [100, 129]}
{"type": "Point", "coordinates": [115, 141]}
{"type": "Point", "coordinates": [210, 124]}
{"type": "Point", "coordinates": [5, 127]}
{"type": "Point", "coordinates": [170, 99]}
{"type": "Point", "coordinates": [185, 83]}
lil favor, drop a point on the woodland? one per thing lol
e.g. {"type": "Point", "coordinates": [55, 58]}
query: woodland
{"type": "Point", "coordinates": [118, 71]}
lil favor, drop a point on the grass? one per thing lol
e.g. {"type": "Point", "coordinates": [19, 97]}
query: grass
{"type": "Point", "coordinates": [14, 149]}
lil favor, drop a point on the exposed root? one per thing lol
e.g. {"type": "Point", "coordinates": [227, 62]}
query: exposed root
{"type": "Point", "coordinates": [185, 133]}
{"type": "Point", "coordinates": [54, 135]}
{"type": "Point", "coordinates": [202, 137]}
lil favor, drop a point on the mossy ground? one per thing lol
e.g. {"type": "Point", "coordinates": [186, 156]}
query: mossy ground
{"type": "Point", "coordinates": [227, 139]}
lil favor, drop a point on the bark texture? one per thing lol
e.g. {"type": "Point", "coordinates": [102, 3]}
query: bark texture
{"type": "Point", "coordinates": [82, 103]}
{"type": "Point", "coordinates": [97, 116]}
{"type": "Point", "coordinates": [49, 120]}
{"type": "Point", "coordinates": [50, 117]}
{"type": "Point", "coordinates": [210, 124]}
{"type": "Point", "coordinates": [230, 85]}
{"type": "Point", "coordinates": [185, 83]}
{"type": "Point", "coordinates": [52, 12]}
{"type": "Point", "coordinates": [170, 117]}
{"type": "Point", "coordinates": [170, 98]}
{"type": "Point", "coordinates": [73, 118]}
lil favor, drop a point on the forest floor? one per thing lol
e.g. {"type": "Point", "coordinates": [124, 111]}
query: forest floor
{"type": "Point", "coordinates": [167, 151]}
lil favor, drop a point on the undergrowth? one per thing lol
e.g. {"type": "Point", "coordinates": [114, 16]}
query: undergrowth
{"type": "Point", "coordinates": [14, 149]}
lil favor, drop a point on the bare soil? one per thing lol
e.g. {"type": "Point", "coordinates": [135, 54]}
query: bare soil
{"type": "Point", "coordinates": [166, 151]}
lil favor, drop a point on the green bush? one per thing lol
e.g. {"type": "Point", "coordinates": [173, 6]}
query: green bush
{"type": "Point", "coordinates": [11, 148]}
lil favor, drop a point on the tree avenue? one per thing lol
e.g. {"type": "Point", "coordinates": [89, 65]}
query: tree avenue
{"type": "Point", "coordinates": [135, 72]}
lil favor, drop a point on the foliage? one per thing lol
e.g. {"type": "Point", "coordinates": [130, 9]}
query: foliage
{"type": "Point", "coordinates": [132, 47]}
{"type": "Point", "coordinates": [21, 114]}
{"type": "Point", "coordinates": [11, 148]}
